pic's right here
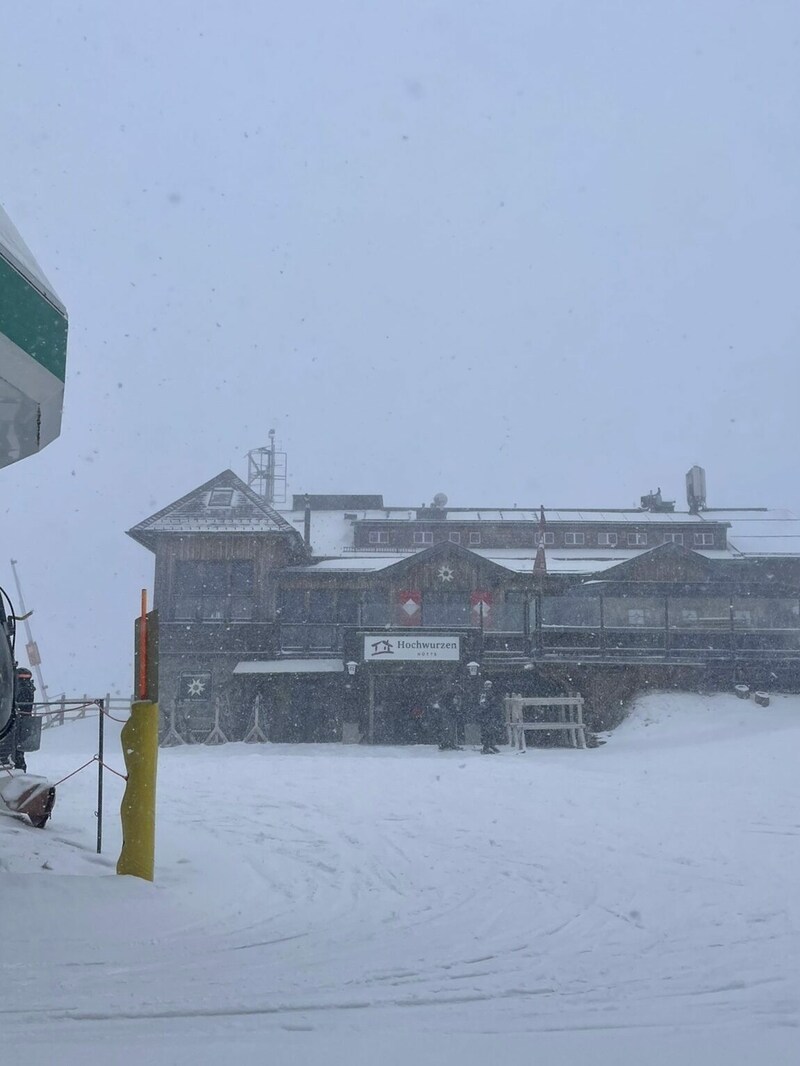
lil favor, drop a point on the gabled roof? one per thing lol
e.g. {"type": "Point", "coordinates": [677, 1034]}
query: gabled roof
{"type": "Point", "coordinates": [236, 509]}
{"type": "Point", "coordinates": [666, 562]}
{"type": "Point", "coordinates": [399, 564]}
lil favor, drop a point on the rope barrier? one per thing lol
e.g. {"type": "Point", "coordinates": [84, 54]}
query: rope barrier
{"type": "Point", "coordinates": [105, 765]}
{"type": "Point", "coordinates": [113, 719]}
{"type": "Point", "coordinates": [94, 758]}
{"type": "Point", "coordinates": [63, 779]}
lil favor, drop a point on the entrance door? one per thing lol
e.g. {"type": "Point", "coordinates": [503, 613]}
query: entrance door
{"type": "Point", "coordinates": [404, 711]}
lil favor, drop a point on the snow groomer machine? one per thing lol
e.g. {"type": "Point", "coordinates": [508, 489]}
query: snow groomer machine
{"type": "Point", "coordinates": [33, 353]}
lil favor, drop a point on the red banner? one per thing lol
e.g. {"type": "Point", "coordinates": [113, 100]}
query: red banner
{"type": "Point", "coordinates": [481, 603]}
{"type": "Point", "coordinates": [409, 607]}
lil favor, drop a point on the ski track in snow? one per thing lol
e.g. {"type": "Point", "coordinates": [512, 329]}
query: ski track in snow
{"type": "Point", "coordinates": [648, 884]}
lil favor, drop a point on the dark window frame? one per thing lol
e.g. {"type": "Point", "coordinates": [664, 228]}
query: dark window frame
{"type": "Point", "coordinates": [209, 590]}
{"type": "Point", "coordinates": [227, 502]}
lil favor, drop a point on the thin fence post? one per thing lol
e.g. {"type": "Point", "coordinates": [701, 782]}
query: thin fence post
{"type": "Point", "coordinates": [102, 704]}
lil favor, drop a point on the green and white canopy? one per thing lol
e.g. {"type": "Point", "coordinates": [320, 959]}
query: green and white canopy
{"type": "Point", "coordinates": [33, 351]}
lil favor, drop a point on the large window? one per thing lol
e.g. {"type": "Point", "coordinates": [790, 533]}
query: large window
{"type": "Point", "coordinates": [570, 612]}
{"type": "Point", "coordinates": [310, 618]}
{"type": "Point", "coordinates": [214, 591]}
{"type": "Point", "coordinates": [376, 610]}
{"type": "Point", "coordinates": [606, 540]}
{"type": "Point", "coordinates": [293, 605]}
{"type": "Point", "coordinates": [347, 607]}
{"type": "Point", "coordinates": [572, 540]}
{"type": "Point", "coordinates": [319, 606]}
{"type": "Point", "coordinates": [699, 612]}
{"type": "Point", "coordinates": [633, 612]}
{"type": "Point", "coordinates": [445, 609]}
{"type": "Point", "coordinates": [508, 616]}
{"type": "Point", "coordinates": [322, 605]}
{"type": "Point", "coordinates": [637, 540]}
{"type": "Point", "coordinates": [760, 612]}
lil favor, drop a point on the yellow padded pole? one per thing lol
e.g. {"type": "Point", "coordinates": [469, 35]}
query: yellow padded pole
{"type": "Point", "coordinates": [139, 739]}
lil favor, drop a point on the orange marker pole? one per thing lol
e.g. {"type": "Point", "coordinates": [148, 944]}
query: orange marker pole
{"type": "Point", "coordinates": [142, 686]}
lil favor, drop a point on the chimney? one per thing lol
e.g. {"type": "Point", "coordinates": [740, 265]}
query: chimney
{"type": "Point", "coordinates": [696, 489]}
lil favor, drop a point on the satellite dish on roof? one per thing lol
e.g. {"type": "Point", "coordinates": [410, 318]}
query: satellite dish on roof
{"type": "Point", "coordinates": [440, 500]}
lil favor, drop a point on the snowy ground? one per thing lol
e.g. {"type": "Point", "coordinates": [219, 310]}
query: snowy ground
{"type": "Point", "coordinates": [636, 904]}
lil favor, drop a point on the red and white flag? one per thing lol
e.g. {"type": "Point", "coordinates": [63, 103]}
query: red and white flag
{"type": "Point", "coordinates": [409, 607]}
{"type": "Point", "coordinates": [481, 604]}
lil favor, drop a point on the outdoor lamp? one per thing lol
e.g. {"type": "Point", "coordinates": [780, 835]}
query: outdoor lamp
{"type": "Point", "coordinates": [351, 667]}
{"type": "Point", "coordinates": [473, 668]}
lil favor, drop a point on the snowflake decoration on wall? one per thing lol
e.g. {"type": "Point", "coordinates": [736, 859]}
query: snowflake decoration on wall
{"type": "Point", "coordinates": [445, 573]}
{"type": "Point", "coordinates": [196, 687]}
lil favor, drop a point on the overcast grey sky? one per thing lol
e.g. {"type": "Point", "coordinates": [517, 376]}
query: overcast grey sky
{"type": "Point", "coordinates": [513, 250]}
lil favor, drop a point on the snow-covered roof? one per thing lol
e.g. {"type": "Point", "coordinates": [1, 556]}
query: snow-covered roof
{"type": "Point", "coordinates": [760, 532]}
{"type": "Point", "coordinates": [569, 561]}
{"type": "Point", "coordinates": [499, 514]}
{"type": "Point", "coordinates": [222, 505]}
{"type": "Point", "coordinates": [355, 563]}
{"type": "Point", "coordinates": [558, 561]}
{"type": "Point", "coordinates": [332, 531]}
{"type": "Point", "coordinates": [751, 532]}
{"type": "Point", "coordinates": [631, 517]}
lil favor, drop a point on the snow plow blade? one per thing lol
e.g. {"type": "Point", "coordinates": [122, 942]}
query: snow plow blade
{"type": "Point", "coordinates": [28, 795]}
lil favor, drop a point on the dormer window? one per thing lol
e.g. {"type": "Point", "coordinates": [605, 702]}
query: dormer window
{"type": "Point", "coordinates": [220, 498]}
{"type": "Point", "coordinates": [573, 540]}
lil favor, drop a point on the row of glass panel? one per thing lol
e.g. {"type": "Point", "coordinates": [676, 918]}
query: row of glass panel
{"type": "Point", "coordinates": [224, 591]}
{"type": "Point", "coordinates": [682, 612]}
{"type": "Point", "coordinates": [572, 612]}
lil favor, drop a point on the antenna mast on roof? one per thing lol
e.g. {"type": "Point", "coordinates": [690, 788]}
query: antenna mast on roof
{"type": "Point", "coordinates": [266, 471]}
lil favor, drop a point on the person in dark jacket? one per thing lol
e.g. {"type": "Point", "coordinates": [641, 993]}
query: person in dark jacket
{"type": "Point", "coordinates": [449, 710]}
{"type": "Point", "coordinates": [490, 708]}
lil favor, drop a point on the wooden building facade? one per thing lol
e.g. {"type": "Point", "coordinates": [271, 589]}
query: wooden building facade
{"type": "Point", "coordinates": [346, 619]}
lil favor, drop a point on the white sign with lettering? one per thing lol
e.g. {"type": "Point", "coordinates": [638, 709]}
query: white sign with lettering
{"type": "Point", "coordinates": [411, 648]}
